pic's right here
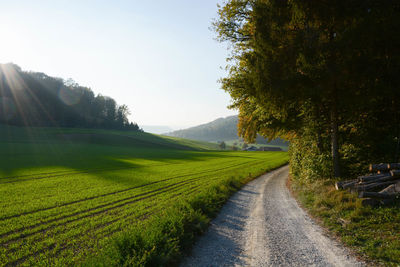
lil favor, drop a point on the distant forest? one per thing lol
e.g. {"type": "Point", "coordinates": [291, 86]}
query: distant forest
{"type": "Point", "coordinates": [36, 99]}
{"type": "Point", "coordinates": [222, 129]}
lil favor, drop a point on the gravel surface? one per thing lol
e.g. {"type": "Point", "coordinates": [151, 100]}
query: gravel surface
{"type": "Point", "coordinates": [262, 225]}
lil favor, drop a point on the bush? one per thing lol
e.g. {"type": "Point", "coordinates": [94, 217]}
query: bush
{"type": "Point", "coordinates": [307, 162]}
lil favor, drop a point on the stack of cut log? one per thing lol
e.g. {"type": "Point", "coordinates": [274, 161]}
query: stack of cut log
{"type": "Point", "coordinates": [380, 187]}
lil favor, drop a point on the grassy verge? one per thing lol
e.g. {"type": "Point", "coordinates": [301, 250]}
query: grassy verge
{"type": "Point", "coordinates": [374, 232]}
{"type": "Point", "coordinates": [166, 238]}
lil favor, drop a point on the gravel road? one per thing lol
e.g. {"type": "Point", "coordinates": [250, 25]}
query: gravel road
{"type": "Point", "coordinates": [262, 225]}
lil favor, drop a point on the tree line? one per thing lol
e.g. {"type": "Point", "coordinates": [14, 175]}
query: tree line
{"type": "Point", "coordinates": [322, 74]}
{"type": "Point", "coordinates": [36, 99]}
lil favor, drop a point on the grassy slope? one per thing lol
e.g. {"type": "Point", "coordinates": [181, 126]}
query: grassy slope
{"type": "Point", "coordinates": [12, 134]}
{"type": "Point", "coordinates": [374, 232]}
{"type": "Point", "coordinates": [65, 192]}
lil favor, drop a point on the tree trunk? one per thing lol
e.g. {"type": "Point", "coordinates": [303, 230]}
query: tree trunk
{"type": "Point", "coordinates": [376, 195]}
{"type": "Point", "coordinates": [334, 109]}
{"type": "Point", "coordinates": [334, 141]}
{"type": "Point", "coordinates": [379, 167]}
{"type": "Point", "coordinates": [319, 130]}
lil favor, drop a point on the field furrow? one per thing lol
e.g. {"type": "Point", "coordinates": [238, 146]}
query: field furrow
{"type": "Point", "coordinates": [4, 218]}
{"type": "Point", "coordinates": [94, 229]}
{"type": "Point", "coordinates": [64, 207]}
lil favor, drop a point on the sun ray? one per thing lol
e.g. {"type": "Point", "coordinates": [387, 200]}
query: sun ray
{"type": "Point", "coordinates": [16, 83]}
{"type": "Point", "coordinates": [22, 95]}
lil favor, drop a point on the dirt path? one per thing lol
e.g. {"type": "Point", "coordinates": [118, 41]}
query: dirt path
{"type": "Point", "coordinates": [262, 225]}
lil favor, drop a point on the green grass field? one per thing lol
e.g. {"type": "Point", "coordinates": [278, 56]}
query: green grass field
{"type": "Point", "coordinates": [239, 144]}
{"type": "Point", "coordinates": [65, 192]}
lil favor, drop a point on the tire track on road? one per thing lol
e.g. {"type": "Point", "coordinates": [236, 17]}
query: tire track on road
{"type": "Point", "coordinates": [262, 225]}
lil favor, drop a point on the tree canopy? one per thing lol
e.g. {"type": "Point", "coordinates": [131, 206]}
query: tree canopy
{"type": "Point", "coordinates": [321, 74]}
{"type": "Point", "coordinates": [36, 99]}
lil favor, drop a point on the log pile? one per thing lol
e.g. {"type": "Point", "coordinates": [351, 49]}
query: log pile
{"type": "Point", "coordinates": [380, 187]}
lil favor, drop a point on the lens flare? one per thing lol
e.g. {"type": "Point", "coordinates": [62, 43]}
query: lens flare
{"type": "Point", "coordinates": [17, 94]}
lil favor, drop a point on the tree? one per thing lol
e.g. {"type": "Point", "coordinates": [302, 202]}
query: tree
{"type": "Point", "coordinates": [122, 116]}
{"type": "Point", "coordinates": [222, 145]}
{"type": "Point", "coordinates": [313, 71]}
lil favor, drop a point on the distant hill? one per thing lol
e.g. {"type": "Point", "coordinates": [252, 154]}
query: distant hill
{"type": "Point", "coordinates": [222, 129]}
{"type": "Point", "coordinates": [219, 130]}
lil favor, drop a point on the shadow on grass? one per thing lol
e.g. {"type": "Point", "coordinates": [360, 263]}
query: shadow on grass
{"type": "Point", "coordinates": [24, 153]}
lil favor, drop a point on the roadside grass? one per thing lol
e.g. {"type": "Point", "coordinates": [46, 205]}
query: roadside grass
{"type": "Point", "coordinates": [65, 193]}
{"type": "Point", "coordinates": [169, 236]}
{"type": "Point", "coordinates": [374, 232]}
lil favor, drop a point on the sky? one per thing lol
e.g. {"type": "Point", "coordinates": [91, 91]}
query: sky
{"type": "Point", "coordinates": [158, 57]}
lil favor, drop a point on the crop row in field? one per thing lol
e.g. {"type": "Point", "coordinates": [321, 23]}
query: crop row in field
{"type": "Point", "coordinates": [60, 215]}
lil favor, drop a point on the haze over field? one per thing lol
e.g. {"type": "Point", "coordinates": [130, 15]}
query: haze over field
{"type": "Point", "coordinates": [157, 129]}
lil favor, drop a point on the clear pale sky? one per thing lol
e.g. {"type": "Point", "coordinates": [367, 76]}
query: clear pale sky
{"type": "Point", "coordinates": [158, 57]}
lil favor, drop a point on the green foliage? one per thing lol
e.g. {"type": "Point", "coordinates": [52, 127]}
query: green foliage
{"type": "Point", "coordinates": [306, 161]}
{"type": "Point", "coordinates": [316, 71]}
{"type": "Point", "coordinates": [156, 243]}
{"type": "Point", "coordinates": [64, 193]}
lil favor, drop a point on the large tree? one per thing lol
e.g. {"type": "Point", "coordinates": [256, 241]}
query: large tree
{"type": "Point", "coordinates": [317, 68]}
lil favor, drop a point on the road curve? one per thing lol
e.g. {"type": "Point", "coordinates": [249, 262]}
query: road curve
{"type": "Point", "coordinates": [262, 225]}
